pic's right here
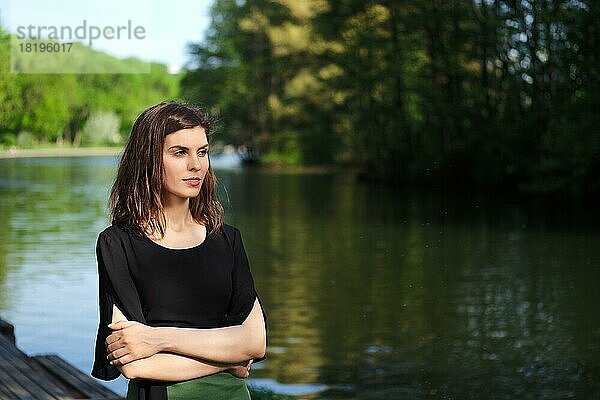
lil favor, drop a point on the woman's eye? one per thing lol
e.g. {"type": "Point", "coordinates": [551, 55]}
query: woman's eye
{"type": "Point", "coordinates": [179, 153]}
{"type": "Point", "coordinates": [202, 152]}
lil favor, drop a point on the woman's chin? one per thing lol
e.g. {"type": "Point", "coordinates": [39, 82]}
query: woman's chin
{"type": "Point", "coordinates": [183, 195]}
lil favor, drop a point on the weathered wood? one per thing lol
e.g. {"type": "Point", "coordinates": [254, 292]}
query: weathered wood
{"type": "Point", "coordinates": [6, 394]}
{"type": "Point", "coordinates": [31, 377]}
{"type": "Point", "coordinates": [74, 377]}
{"type": "Point", "coordinates": [8, 347]}
{"type": "Point", "coordinates": [43, 377]}
{"type": "Point", "coordinates": [34, 380]}
{"type": "Point", "coordinates": [7, 330]}
{"type": "Point", "coordinates": [14, 387]}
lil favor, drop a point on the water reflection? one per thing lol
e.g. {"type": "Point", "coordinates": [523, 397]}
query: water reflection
{"type": "Point", "coordinates": [400, 295]}
{"type": "Point", "coordinates": [370, 293]}
{"type": "Point", "coordinates": [52, 211]}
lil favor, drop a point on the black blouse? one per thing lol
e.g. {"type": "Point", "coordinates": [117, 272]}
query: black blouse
{"type": "Point", "coordinates": [205, 286]}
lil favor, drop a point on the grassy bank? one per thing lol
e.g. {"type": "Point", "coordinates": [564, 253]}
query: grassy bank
{"type": "Point", "coordinates": [55, 151]}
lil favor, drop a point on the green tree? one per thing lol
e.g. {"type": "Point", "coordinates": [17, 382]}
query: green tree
{"type": "Point", "coordinates": [484, 92]}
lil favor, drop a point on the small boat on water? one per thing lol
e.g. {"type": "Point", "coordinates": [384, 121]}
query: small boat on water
{"type": "Point", "coordinates": [248, 155]}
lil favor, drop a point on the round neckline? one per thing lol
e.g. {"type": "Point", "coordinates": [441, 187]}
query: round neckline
{"type": "Point", "coordinates": [178, 248]}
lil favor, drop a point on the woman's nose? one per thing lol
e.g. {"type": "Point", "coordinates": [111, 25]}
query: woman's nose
{"type": "Point", "coordinates": [195, 162]}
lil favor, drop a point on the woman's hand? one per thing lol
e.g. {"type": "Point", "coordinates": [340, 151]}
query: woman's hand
{"type": "Point", "coordinates": [131, 341]}
{"type": "Point", "coordinates": [241, 371]}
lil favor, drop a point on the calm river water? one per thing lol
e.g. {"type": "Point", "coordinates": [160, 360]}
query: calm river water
{"type": "Point", "coordinates": [370, 293]}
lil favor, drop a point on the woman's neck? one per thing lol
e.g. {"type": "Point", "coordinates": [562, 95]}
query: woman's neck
{"type": "Point", "coordinates": [178, 215]}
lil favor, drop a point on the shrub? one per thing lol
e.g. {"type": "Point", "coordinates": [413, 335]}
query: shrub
{"type": "Point", "coordinates": [8, 139]}
{"type": "Point", "coordinates": [101, 128]}
{"type": "Point", "coordinates": [25, 139]}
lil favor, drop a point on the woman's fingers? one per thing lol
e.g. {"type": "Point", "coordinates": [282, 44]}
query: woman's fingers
{"type": "Point", "coordinates": [122, 360]}
{"type": "Point", "coordinates": [117, 354]}
{"type": "Point", "coordinates": [115, 345]}
{"type": "Point", "coordinates": [113, 337]}
{"type": "Point", "coordinates": [140, 340]}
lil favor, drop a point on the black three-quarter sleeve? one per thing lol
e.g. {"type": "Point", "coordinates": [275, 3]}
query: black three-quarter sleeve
{"type": "Point", "coordinates": [106, 296]}
{"type": "Point", "coordinates": [244, 293]}
{"type": "Point", "coordinates": [115, 287]}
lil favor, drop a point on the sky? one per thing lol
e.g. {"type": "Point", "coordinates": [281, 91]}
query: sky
{"type": "Point", "coordinates": [163, 27]}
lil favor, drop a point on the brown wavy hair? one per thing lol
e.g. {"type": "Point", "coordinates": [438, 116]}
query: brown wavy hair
{"type": "Point", "coordinates": [136, 198]}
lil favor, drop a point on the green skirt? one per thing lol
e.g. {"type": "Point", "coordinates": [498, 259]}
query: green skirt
{"type": "Point", "coordinates": [220, 386]}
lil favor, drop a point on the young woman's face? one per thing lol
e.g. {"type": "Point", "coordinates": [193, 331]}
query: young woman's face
{"type": "Point", "coordinates": [185, 161]}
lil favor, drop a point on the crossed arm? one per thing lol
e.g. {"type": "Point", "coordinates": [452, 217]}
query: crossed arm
{"type": "Point", "coordinates": [171, 354]}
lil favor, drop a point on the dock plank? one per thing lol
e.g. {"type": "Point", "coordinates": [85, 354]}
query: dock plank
{"type": "Point", "coordinates": [14, 363]}
{"type": "Point", "coordinates": [6, 394]}
{"type": "Point", "coordinates": [7, 330]}
{"type": "Point", "coordinates": [74, 377]}
{"type": "Point", "coordinates": [43, 377]}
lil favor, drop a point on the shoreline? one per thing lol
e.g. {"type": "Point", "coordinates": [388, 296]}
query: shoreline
{"type": "Point", "coordinates": [15, 153]}
{"type": "Point", "coordinates": [115, 151]}
{"type": "Point", "coordinates": [60, 152]}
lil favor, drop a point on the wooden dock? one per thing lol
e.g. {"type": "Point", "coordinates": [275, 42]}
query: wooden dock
{"type": "Point", "coordinates": [46, 377]}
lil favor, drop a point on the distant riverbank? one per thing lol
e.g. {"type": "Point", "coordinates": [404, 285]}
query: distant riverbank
{"type": "Point", "coordinates": [60, 152]}
{"type": "Point", "coordinates": [114, 151]}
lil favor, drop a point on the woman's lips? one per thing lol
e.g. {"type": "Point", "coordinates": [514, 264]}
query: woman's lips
{"type": "Point", "coordinates": [192, 181]}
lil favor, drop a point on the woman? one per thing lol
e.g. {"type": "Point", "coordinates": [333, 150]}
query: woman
{"type": "Point", "coordinates": [174, 280]}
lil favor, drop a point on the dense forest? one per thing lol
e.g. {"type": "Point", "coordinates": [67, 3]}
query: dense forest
{"type": "Point", "coordinates": [77, 109]}
{"type": "Point", "coordinates": [482, 92]}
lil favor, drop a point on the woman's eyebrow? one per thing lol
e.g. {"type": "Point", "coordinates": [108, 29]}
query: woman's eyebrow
{"type": "Point", "coordinates": [178, 146]}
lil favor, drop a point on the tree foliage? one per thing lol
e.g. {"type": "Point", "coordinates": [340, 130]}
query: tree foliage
{"type": "Point", "coordinates": [54, 108]}
{"type": "Point", "coordinates": [481, 92]}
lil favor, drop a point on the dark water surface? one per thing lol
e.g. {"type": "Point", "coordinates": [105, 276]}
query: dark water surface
{"type": "Point", "coordinates": [370, 293]}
